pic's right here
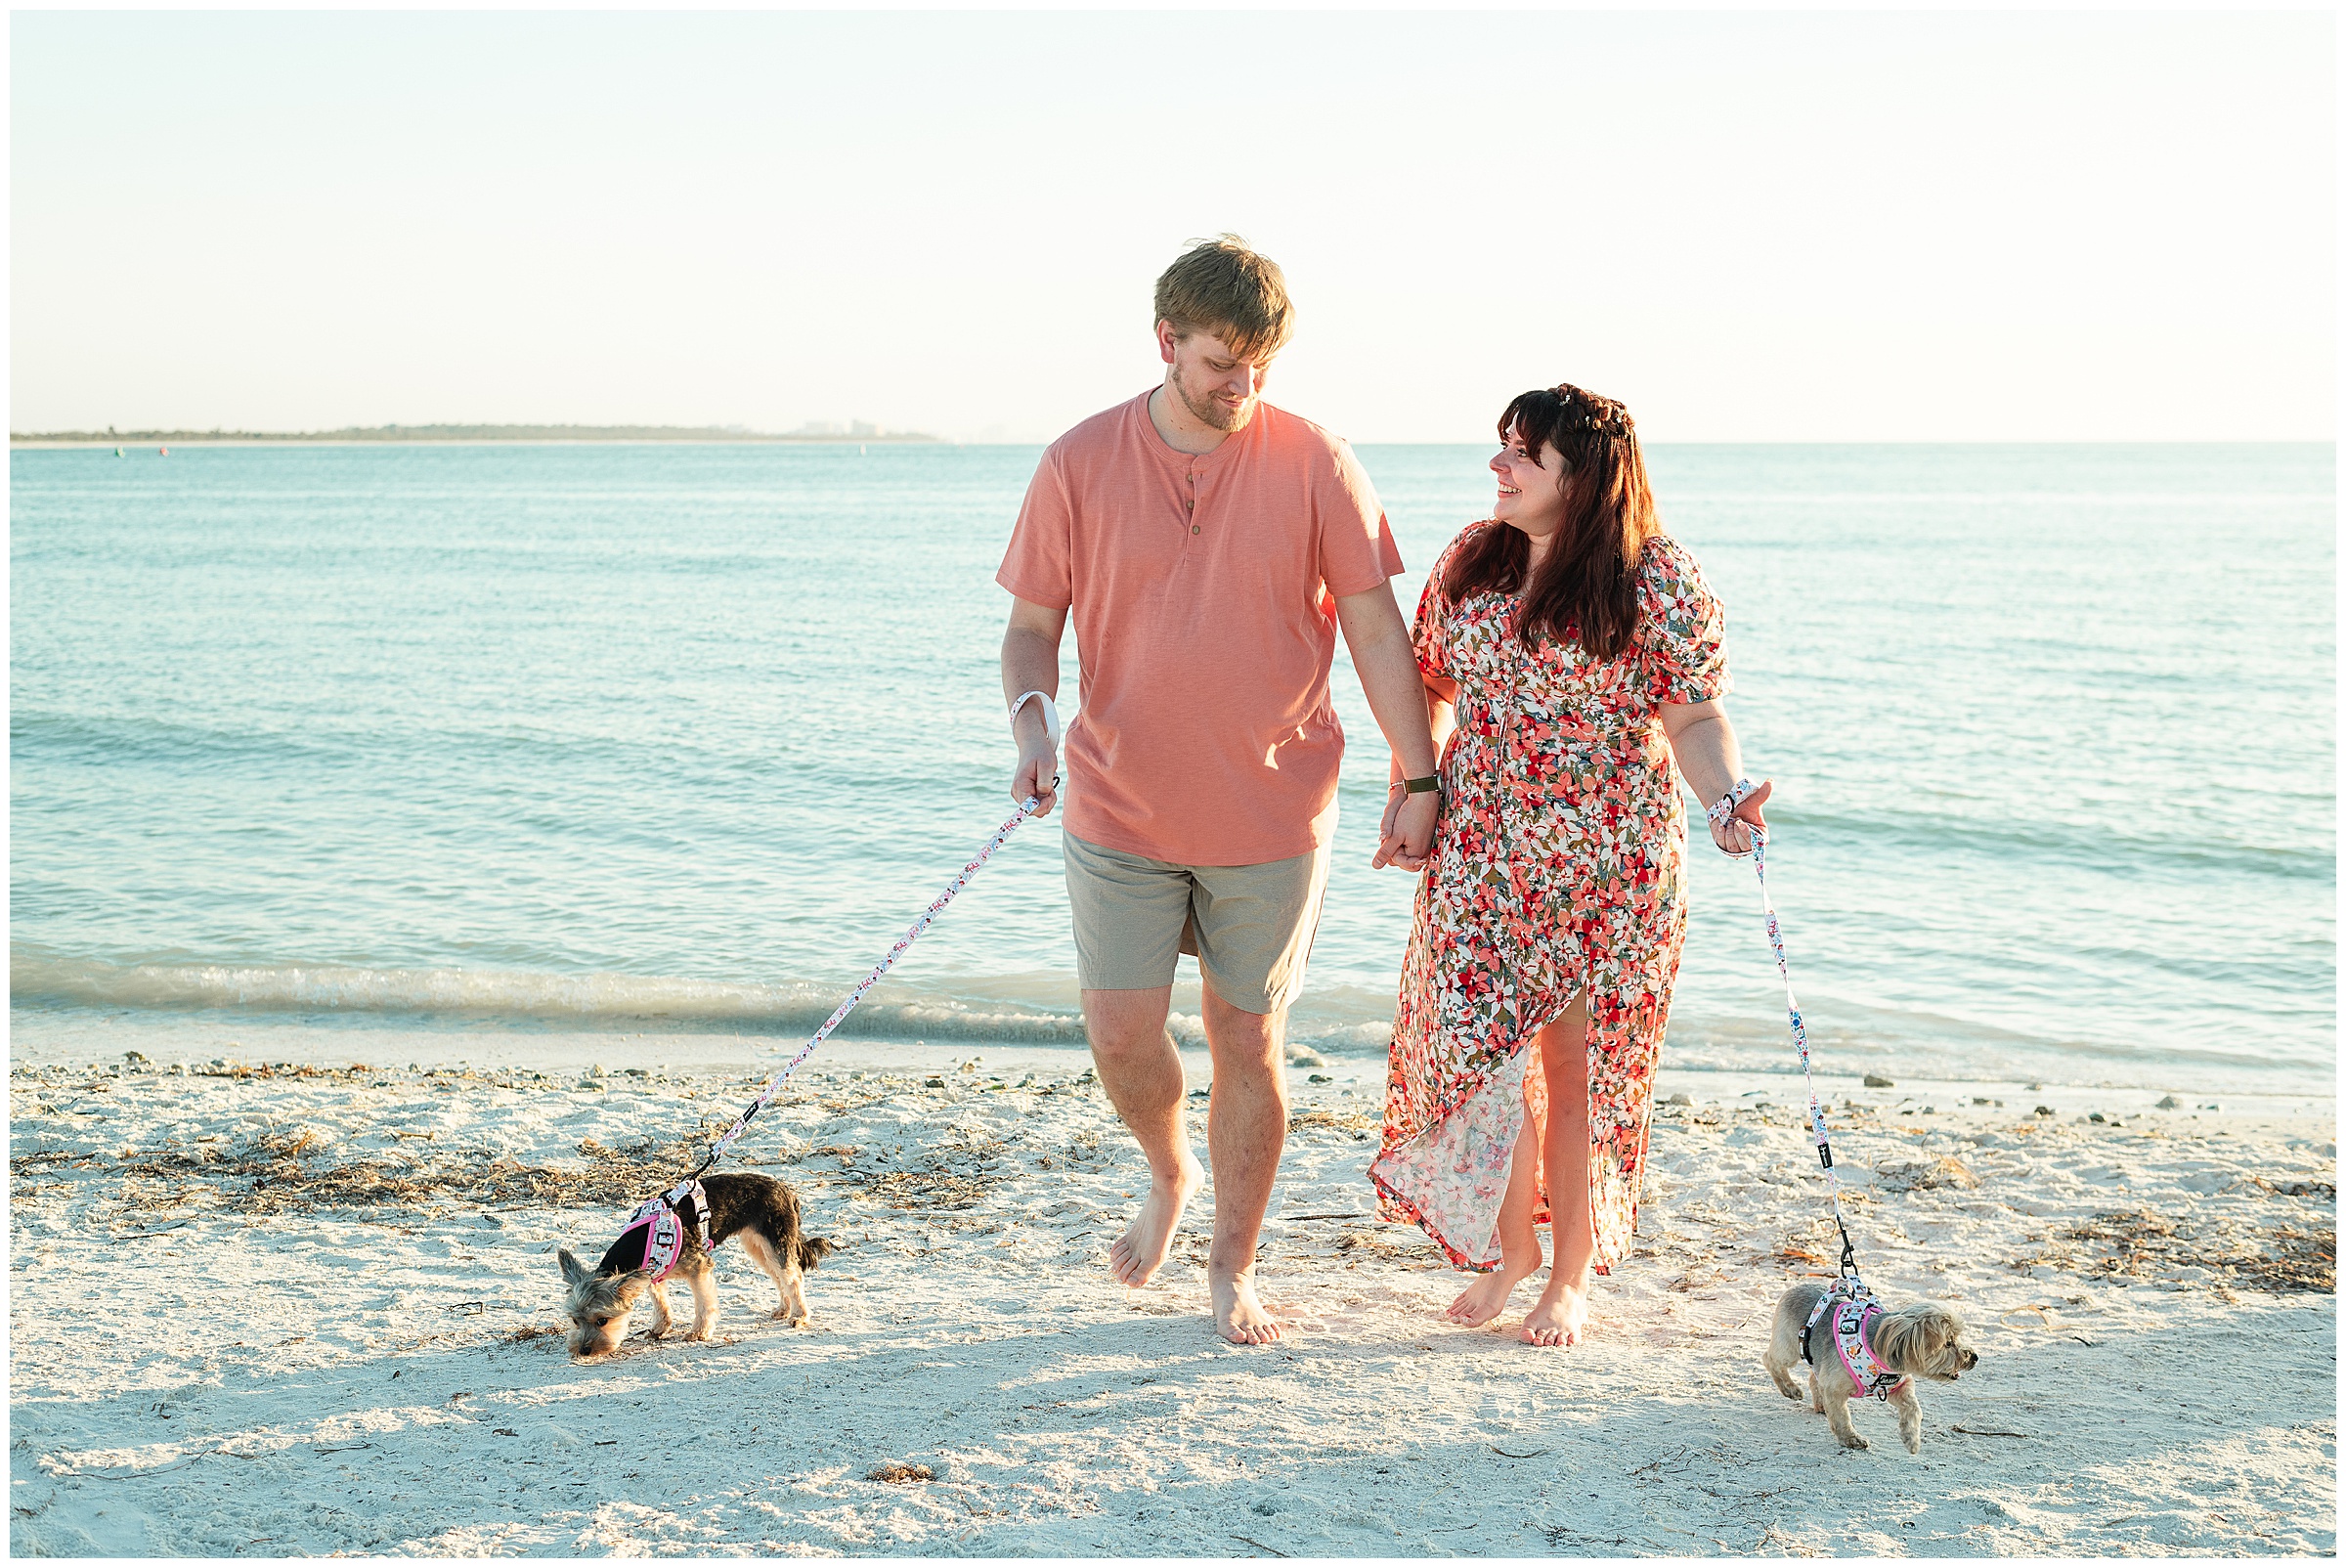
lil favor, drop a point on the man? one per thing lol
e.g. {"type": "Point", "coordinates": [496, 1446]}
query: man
{"type": "Point", "coordinates": [1209, 546]}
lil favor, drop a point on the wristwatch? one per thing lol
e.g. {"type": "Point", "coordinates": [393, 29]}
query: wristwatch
{"type": "Point", "coordinates": [1430, 784]}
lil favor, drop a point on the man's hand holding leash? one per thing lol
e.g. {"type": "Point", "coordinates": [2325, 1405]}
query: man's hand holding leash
{"type": "Point", "coordinates": [1034, 725]}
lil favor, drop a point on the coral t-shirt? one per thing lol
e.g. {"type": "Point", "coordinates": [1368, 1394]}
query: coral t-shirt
{"type": "Point", "coordinates": [1202, 591]}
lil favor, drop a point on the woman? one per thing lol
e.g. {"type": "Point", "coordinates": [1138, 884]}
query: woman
{"type": "Point", "coordinates": [1577, 652]}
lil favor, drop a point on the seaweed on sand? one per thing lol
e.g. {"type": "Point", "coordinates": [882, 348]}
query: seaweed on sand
{"type": "Point", "coordinates": [292, 1173]}
{"type": "Point", "coordinates": [1380, 1245]}
{"type": "Point", "coordinates": [960, 1173]}
{"type": "Point", "coordinates": [2138, 1243]}
{"type": "Point", "coordinates": [1358, 1123]}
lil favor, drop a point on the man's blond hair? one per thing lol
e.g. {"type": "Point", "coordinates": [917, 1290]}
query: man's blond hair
{"type": "Point", "coordinates": [1227, 287]}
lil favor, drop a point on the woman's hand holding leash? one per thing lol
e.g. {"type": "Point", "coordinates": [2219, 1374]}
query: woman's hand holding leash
{"type": "Point", "coordinates": [1727, 826]}
{"type": "Point", "coordinates": [1704, 743]}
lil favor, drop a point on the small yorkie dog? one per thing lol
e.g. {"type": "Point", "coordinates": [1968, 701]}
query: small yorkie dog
{"type": "Point", "coordinates": [1856, 1348]}
{"type": "Point", "coordinates": [762, 1211]}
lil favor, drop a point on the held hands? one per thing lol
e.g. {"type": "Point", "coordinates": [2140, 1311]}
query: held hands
{"type": "Point", "coordinates": [1405, 839]}
{"type": "Point", "coordinates": [1731, 835]}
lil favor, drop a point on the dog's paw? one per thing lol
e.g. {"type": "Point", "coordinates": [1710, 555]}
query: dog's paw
{"type": "Point", "coordinates": [1854, 1441]}
{"type": "Point", "coordinates": [1914, 1445]}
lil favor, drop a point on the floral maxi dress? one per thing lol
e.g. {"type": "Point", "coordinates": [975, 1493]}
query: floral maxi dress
{"type": "Point", "coordinates": [1558, 867]}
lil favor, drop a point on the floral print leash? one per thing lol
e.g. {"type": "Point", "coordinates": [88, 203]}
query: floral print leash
{"type": "Point", "coordinates": [937, 906]}
{"type": "Point", "coordinates": [666, 1202]}
{"type": "Point", "coordinates": [1848, 1286]}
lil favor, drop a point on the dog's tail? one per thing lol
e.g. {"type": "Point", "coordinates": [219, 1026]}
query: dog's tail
{"type": "Point", "coordinates": [813, 1249]}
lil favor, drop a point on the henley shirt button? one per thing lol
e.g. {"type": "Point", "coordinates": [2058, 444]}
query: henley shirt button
{"type": "Point", "coordinates": [1195, 528]}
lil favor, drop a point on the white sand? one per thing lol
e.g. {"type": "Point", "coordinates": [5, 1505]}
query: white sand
{"type": "Point", "coordinates": [187, 1377]}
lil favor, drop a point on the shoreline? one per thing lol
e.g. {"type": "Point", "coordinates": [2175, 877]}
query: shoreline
{"type": "Point", "coordinates": [858, 1057]}
{"type": "Point", "coordinates": [80, 1035]}
{"type": "Point", "coordinates": [394, 1388]}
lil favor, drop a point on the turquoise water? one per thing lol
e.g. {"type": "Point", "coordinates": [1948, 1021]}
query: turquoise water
{"type": "Point", "coordinates": [682, 737]}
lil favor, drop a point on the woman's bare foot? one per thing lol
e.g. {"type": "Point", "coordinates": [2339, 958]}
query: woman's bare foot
{"type": "Point", "coordinates": [1559, 1319]}
{"type": "Point", "coordinates": [1487, 1297]}
{"type": "Point", "coordinates": [1142, 1249]}
{"type": "Point", "coordinates": [1238, 1317]}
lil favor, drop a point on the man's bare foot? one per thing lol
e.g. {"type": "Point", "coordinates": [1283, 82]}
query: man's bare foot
{"type": "Point", "coordinates": [1238, 1317]}
{"type": "Point", "coordinates": [1559, 1319]}
{"type": "Point", "coordinates": [1487, 1297]}
{"type": "Point", "coordinates": [1142, 1249]}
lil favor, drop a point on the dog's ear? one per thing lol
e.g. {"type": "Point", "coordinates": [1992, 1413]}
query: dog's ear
{"type": "Point", "coordinates": [572, 1272]}
{"type": "Point", "coordinates": [1916, 1339]}
{"type": "Point", "coordinates": [1899, 1339]}
{"type": "Point", "coordinates": [1940, 1329]}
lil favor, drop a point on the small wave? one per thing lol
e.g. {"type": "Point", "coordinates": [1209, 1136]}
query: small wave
{"type": "Point", "coordinates": [634, 1000]}
{"type": "Point", "coordinates": [2103, 846]}
{"type": "Point", "coordinates": [1867, 1038]}
{"type": "Point", "coordinates": [511, 995]}
{"type": "Point", "coordinates": [1348, 1038]}
{"type": "Point", "coordinates": [115, 742]}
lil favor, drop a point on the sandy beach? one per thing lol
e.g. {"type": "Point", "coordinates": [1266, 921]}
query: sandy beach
{"type": "Point", "coordinates": [285, 1310]}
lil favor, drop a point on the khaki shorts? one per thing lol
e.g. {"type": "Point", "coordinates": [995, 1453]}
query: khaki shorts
{"type": "Point", "coordinates": [1249, 927]}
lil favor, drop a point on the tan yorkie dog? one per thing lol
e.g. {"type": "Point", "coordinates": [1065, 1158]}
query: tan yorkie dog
{"type": "Point", "coordinates": [761, 1210]}
{"type": "Point", "coordinates": [1858, 1348]}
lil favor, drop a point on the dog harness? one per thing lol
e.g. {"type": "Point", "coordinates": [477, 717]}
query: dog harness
{"type": "Point", "coordinates": [654, 1236]}
{"type": "Point", "coordinates": [1853, 1311]}
{"type": "Point", "coordinates": [1847, 1299]}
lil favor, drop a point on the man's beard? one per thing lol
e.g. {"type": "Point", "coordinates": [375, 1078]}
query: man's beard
{"type": "Point", "coordinates": [1215, 412]}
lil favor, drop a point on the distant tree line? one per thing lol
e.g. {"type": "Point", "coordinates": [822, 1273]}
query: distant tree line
{"type": "Point", "coordinates": [464, 432]}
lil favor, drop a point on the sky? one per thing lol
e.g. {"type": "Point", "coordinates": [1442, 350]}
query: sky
{"type": "Point", "coordinates": [1823, 226]}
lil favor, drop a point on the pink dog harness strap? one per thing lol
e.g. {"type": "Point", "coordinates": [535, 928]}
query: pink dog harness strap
{"type": "Point", "coordinates": [654, 1236]}
{"type": "Point", "coordinates": [1853, 1313]}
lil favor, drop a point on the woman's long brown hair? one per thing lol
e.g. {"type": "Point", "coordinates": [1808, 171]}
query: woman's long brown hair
{"type": "Point", "coordinates": [1587, 590]}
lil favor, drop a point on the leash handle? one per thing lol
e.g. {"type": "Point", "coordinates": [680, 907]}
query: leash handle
{"type": "Point", "coordinates": [1722, 812]}
{"type": "Point", "coordinates": [1049, 716]}
{"type": "Point", "coordinates": [935, 907]}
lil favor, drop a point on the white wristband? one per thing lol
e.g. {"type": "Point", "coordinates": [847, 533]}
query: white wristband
{"type": "Point", "coordinates": [1050, 714]}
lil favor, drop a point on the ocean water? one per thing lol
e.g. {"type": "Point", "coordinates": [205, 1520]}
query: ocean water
{"type": "Point", "coordinates": [644, 738]}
